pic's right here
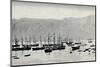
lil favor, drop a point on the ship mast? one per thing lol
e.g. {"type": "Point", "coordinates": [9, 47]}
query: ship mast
{"type": "Point", "coordinates": [29, 40]}
{"type": "Point", "coordinates": [22, 44]}
{"type": "Point", "coordinates": [54, 39]}
{"type": "Point", "coordinates": [26, 42]}
{"type": "Point", "coordinates": [22, 41]}
{"type": "Point", "coordinates": [59, 39]}
{"type": "Point", "coordinates": [34, 39]}
{"type": "Point", "coordinates": [48, 39]}
{"type": "Point", "coordinates": [40, 40]}
{"type": "Point", "coordinates": [16, 41]}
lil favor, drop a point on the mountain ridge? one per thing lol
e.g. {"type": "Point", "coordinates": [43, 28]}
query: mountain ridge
{"type": "Point", "coordinates": [73, 28]}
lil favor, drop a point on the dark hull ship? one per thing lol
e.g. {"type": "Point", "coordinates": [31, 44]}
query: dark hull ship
{"type": "Point", "coordinates": [38, 48]}
{"type": "Point", "coordinates": [19, 49]}
{"type": "Point", "coordinates": [54, 46]}
{"type": "Point", "coordinates": [46, 47]}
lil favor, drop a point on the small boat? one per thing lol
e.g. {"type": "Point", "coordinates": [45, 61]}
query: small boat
{"type": "Point", "coordinates": [88, 50]}
{"type": "Point", "coordinates": [75, 48]}
{"type": "Point", "coordinates": [26, 55]}
{"type": "Point", "coordinates": [70, 52]}
{"type": "Point", "coordinates": [92, 45]}
{"type": "Point", "coordinates": [90, 41]}
{"type": "Point", "coordinates": [93, 52]}
{"type": "Point", "coordinates": [79, 50]}
{"type": "Point", "coordinates": [78, 43]}
{"type": "Point", "coordinates": [15, 57]}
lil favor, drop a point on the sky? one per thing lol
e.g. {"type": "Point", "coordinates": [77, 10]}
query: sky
{"type": "Point", "coordinates": [49, 11]}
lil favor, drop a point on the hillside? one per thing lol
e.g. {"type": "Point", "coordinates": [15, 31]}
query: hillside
{"type": "Point", "coordinates": [73, 28]}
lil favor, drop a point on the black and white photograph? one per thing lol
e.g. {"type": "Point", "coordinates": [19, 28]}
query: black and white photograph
{"type": "Point", "coordinates": [50, 33]}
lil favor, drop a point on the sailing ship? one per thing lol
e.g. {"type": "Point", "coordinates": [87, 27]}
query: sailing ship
{"type": "Point", "coordinates": [48, 48]}
{"type": "Point", "coordinates": [59, 45]}
{"type": "Point", "coordinates": [39, 47]}
{"type": "Point", "coordinates": [28, 47]}
{"type": "Point", "coordinates": [34, 44]}
{"type": "Point", "coordinates": [54, 46]}
{"type": "Point", "coordinates": [15, 46]}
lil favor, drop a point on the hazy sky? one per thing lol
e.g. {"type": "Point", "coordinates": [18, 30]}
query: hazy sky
{"type": "Point", "coordinates": [53, 11]}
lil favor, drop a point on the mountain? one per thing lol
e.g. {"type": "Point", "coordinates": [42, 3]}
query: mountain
{"type": "Point", "coordinates": [73, 28]}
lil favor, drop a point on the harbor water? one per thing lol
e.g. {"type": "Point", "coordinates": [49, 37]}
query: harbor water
{"type": "Point", "coordinates": [56, 56]}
